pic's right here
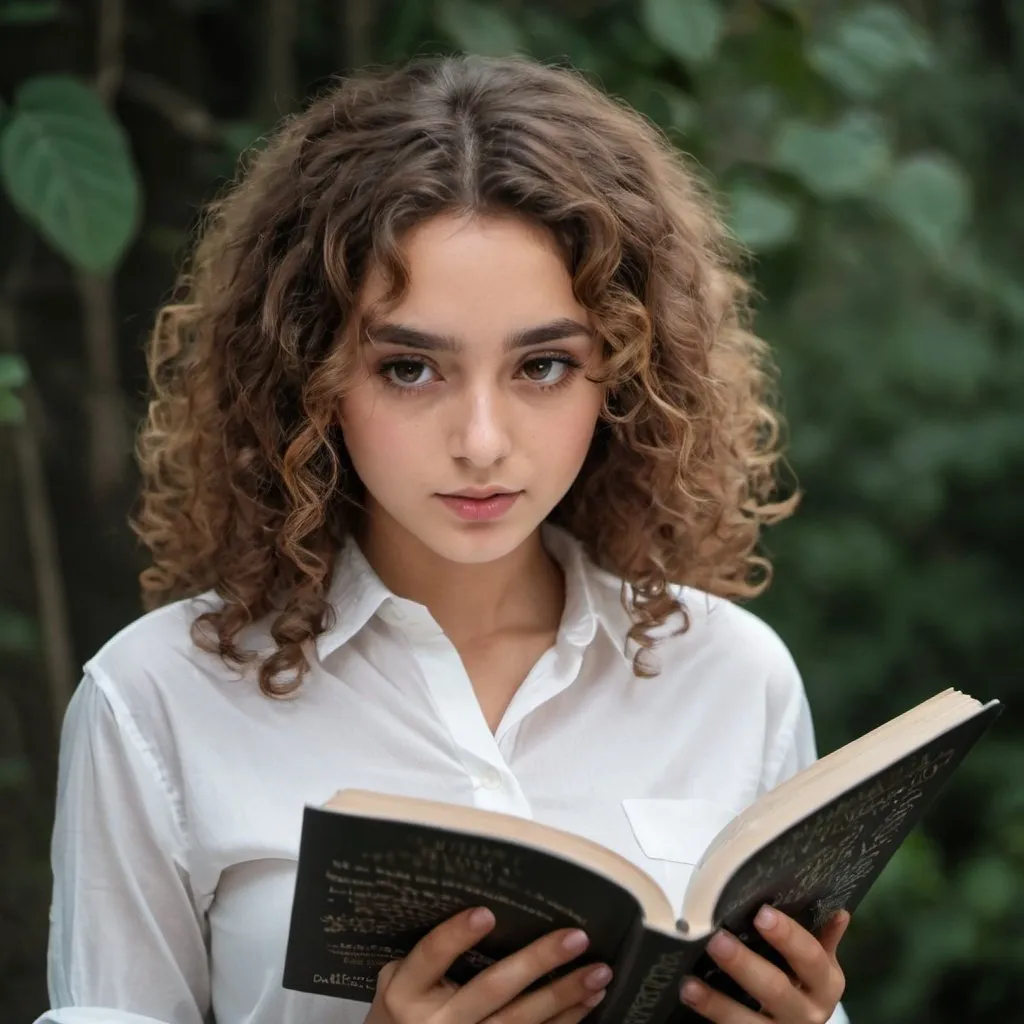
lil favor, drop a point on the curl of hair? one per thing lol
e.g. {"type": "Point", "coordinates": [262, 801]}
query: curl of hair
{"type": "Point", "coordinates": [247, 489]}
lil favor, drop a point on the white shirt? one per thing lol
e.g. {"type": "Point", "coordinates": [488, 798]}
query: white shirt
{"type": "Point", "coordinates": [181, 787]}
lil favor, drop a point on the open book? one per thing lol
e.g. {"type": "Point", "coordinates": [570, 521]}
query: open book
{"type": "Point", "coordinates": [376, 872]}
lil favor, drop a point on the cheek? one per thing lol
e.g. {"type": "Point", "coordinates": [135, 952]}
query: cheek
{"type": "Point", "coordinates": [381, 442]}
{"type": "Point", "coordinates": [573, 424]}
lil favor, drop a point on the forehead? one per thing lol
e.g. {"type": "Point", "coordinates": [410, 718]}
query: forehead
{"type": "Point", "coordinates": [480, 270]}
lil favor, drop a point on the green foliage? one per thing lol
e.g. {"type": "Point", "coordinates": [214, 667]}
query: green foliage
{"type": "Point", "coordinates": [761, 219]}
{"type": "Point", "coordinates": [479, 28]}
{"type": "Point", "coordinates": [690, 31]}
{"type": "Point", "coordinates": [868, 49]}
{"type": "Point", "coordinates": [931, 197]}
{"type": "Point", "coordinates": [843, 160]}
{"type": "Point", "coordinates": [66, 165]}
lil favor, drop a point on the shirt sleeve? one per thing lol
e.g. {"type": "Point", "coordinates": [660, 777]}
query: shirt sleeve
{"type": "Point", "coordinates": [126, 943]}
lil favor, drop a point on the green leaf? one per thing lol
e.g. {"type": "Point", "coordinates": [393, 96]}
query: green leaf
{"type": "Point", "coordinates": [66, 164]}
{"type": "Point", "coordinates": [28, 12]}
{"type": "Point", "coordinates": [990, 886]}
{"type": "Point", "coordinates": [931, 197]}
{"type": "Point", "coordinates": [13, 371]}
{"type": "Point", "coordinates": [761, 219]}
{"type": "Point", "coordinates": [838, 162]}
{"type": "Point", "coordinates": [12, 409]}
{"type": "Point", "coordinates": [689, 29]}
{"type": "Point", "coordinates": [662, 103]}
{"type": "Point", "coordinates": [479, 28]}
{"type": "Point", "coordinates": [869, 49]}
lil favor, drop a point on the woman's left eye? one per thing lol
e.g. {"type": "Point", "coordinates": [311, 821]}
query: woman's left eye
{"type": "Point", "coordinates": [545, 370]}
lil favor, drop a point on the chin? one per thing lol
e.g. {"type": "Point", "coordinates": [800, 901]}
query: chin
{"type": "Point", "coordinates": [476, 543]}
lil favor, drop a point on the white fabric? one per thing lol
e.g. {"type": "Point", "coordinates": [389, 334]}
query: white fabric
{"type": "Point", "coordinates": [182, 788]}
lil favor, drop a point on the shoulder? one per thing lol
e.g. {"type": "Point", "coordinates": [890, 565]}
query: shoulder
{"type": "Point", "coordinates": [155, 657]}
{"type": "Point", "coordinates": [732, 647]}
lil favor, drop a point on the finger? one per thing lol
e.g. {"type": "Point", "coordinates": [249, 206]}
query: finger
{"type": "Point", "coordinates": [575, 993]}
{"type": "Point", "coordinates": [715, 1005]}
{"type": "Point", "coordinates": [833, 932]}
{"type": "Point", "coordinates": [772, 988]}
{"type": "Point", "coordinates": [431, 958]}
{"type": "Point", "coordinates": [573, 1015]}
{"type": "Point", "coordinates": [816, 968]}
{"type": "Point", "coordinates": [502, 982]}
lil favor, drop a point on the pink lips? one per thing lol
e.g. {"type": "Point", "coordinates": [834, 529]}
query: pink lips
{"type": "Point", "coordinates": [480, 509]}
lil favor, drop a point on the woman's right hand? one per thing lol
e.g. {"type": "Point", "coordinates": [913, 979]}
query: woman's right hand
{"type": "Point", "coordinates": [415, 990]}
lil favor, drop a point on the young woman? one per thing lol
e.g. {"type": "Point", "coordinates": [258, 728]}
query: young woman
{"type": "Point", "coordinates": [458, 449]}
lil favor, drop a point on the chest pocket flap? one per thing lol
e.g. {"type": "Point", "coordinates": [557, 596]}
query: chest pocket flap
{"type": "Point", "coordinates": [676, 830]}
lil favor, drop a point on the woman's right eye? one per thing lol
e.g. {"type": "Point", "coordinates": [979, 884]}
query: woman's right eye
{"type": "Point", "coordinates": [406, 373]}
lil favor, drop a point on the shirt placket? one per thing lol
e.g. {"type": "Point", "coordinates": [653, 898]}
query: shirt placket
{"type": "Point", "coordinates": [495, 786]}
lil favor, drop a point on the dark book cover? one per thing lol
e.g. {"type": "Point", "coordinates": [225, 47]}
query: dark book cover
{"type": "Point", "coordinates": [368, 889]}
{"type": "Point", "coordinates": [824, 864]}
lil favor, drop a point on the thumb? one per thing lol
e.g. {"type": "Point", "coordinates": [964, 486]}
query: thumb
{"type": "Point", "coordinates": [833, 932]}
{"type": "Point", "coordinates": [385, 974]}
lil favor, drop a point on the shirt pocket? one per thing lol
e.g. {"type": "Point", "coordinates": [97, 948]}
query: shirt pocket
{"type": "Point", "coordinates": [673, 836]}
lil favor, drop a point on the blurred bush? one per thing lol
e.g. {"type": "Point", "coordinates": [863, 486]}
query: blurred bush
{"type": "Point", "coordinates": [857, 150]}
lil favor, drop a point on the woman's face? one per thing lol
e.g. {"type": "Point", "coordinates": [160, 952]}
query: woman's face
{"type": "Point", "coordinates": [475, 414]}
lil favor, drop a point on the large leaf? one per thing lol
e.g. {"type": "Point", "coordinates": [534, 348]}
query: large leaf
{"type": "Point", "coordinates": [869, 49]}
{"type": "Point", "coordinates": [66, 165]}
{"type": "Point", "coordinates": [760, 219]}
{"type": "Point", "coordinates": [842, 161]}
{"type": "Point", "coordinates": [689, 29]}
{"type": "Point", "coordinates": [479, 28]}
{"type": "Point", "coordinates": [931, 197]}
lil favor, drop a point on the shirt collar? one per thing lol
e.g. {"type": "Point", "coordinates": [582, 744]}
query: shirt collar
{"type": "Point", "coordinates": [356, 593]}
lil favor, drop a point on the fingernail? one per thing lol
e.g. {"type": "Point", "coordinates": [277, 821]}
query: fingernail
{"type": "Point", "coordinates": [481, 918]}
{"type": "Point", "coordinates": [599, 977]}
{"type": "Point", "coordinates": [723, 945]}
{"type": "Point", "coordinates": [691, 992]}
{"type": "Point", "coordinates": [766, 918]}
{"type": "Point", "coordinates": [594, 999]}
{"type": "Point", "coordinates": [575, 942]}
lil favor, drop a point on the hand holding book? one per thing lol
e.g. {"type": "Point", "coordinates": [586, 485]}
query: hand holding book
{"type": "Point", "coordinates": [378, 871]}
{"type": "Point", "coordinates": [414, 990]}
{"type": "Point", "coordinates": [810, 996]}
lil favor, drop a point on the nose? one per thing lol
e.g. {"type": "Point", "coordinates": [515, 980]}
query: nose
{"type": "Point", "coordinates": [480, 436]}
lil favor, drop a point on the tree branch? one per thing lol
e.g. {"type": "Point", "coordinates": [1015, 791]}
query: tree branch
{"type": "Point", "coordinates": [37, 512]}
{"type": "Point", "coordinates": [186, 116]}
{"type": "Point", "coordinates": [280, 27]}
{"type": "Point", "coordinates": [355, 22]}
{"type": "Point", "coordinates": [108, 433]}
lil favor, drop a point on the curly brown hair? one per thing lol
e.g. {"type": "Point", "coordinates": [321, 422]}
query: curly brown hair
{"type": "Point", "coordinates": [247, 487]}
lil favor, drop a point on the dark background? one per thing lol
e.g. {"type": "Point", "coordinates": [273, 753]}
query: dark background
{"type": "Point", "coordinates": [870, 157]}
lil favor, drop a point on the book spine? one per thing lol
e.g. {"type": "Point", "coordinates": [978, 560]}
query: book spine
{"type": "Point", "coordinates": [652, 972]}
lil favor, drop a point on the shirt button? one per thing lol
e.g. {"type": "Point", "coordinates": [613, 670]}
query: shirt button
{"type": "Point", "coordinates": [490, 779]}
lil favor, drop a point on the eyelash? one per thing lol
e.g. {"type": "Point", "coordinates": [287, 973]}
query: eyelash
{"type": "Point", "coordinates": [571, 364]}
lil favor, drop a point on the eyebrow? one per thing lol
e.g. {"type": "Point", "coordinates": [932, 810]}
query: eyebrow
{"type": "Point", "coordinates": [412, 337]}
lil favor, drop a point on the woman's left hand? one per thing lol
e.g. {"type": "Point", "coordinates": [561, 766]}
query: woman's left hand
{"type": "Point", "coordinates": [810, 998]}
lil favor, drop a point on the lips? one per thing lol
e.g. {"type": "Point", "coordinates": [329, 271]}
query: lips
{"type": "Point", "coordinates": [472, 495]}
{"type": "Point", "coordinates": [479, 506]}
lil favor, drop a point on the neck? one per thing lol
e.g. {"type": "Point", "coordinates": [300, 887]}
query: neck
{"type": "Point", "coordinates": [522, 591]}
